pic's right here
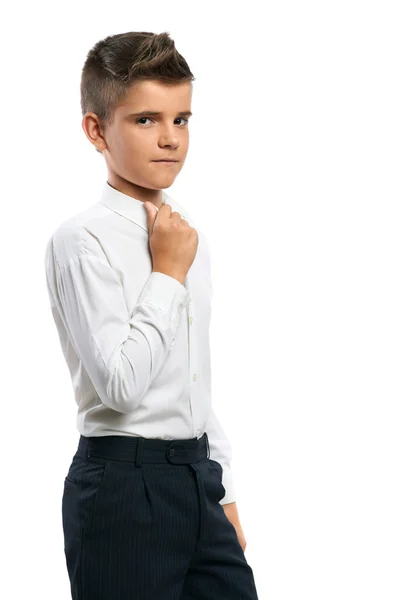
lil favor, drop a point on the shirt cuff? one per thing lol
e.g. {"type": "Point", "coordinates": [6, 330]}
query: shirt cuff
{"type": "Point", "coordinates": [228, 484]}
{"type": "Point", "coordinates": [166, 293]}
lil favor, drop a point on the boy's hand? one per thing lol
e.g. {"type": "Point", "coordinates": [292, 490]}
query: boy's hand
{"type": "Point", "coordinates": [231, 512]}
{"type": "Point", "coordinates": [173, 243]}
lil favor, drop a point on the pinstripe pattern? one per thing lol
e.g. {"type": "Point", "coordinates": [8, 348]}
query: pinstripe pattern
{"type": "Point", "coordinates": [142, 521]}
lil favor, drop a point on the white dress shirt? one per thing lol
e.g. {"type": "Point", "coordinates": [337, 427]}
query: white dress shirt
{"type": "Point", "coordinates": [136, 342]}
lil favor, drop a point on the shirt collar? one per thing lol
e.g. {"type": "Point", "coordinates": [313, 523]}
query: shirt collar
{"type": "Point", "coordinates": [132, 208]}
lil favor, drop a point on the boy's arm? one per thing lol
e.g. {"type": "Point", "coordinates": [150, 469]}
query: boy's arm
{"type": "Point", "coordinates": [221, 451]}
{"type": "Point", "coordinates": [121, 352]}
{"type": "Point", "coordinates": [220, 448]}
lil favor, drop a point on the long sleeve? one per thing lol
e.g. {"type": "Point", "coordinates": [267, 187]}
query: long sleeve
{"type": "Point", "coordinates": [121, 352]}
{"type": "Point", "coordinates": [221, 451]}
{"type": "Point", "coordinates": [220, 447]}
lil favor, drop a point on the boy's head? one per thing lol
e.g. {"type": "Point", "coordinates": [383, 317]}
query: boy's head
{"type": "Point", "coordinates": [137, 72]}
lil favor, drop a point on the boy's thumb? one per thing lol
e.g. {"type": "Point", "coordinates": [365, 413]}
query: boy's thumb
{"type": "Point", "coordinates": [151, 214]}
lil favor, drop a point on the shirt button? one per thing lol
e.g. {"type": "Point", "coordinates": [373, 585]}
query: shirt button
{"type": "Point", "coordinates": [190, 320]}
{"type": "Point", "coordinates": [194, 377]}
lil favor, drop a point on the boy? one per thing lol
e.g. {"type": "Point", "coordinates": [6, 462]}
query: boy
{"type": "Point", "coordinates": [148, 506]}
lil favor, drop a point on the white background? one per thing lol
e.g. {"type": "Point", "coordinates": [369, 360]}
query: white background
{"type": "Point", "coordinates": [293, 176]}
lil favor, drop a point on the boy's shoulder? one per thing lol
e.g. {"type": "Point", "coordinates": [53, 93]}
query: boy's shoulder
{"type": "Point", "coordinates": [67, 241]}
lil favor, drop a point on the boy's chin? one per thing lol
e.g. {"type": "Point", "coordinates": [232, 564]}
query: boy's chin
{"type": "Point", "coordinates": [163, 183]}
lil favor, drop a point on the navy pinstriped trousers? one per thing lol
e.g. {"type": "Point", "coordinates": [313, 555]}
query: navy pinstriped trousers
{"type": "Point", "coordinates": [142, 521]}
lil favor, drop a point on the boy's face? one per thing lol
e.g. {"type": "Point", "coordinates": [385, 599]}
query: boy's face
{"type": "Point", "coordinates": [133, 143]}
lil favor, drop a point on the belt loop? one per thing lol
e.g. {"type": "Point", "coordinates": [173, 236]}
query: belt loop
{"type": "Point", "coordinates": [139, 449]}
{"type": "Point", "coordinates": [88, 455]}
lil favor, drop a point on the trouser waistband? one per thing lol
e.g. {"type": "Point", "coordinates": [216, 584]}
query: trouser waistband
{"type": "Point", "coordinates": [145, 450]}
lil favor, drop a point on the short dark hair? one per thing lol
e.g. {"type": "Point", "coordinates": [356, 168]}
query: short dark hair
{"type": "Point", "coordinates": [118, 61]}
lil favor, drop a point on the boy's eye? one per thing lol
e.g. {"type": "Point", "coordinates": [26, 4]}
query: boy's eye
{"type": "Point", "coordinates": [149, 119]}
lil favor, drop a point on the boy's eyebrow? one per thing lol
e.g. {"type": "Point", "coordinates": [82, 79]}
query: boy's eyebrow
{"type": "Point", "coordinates": [143, 113]}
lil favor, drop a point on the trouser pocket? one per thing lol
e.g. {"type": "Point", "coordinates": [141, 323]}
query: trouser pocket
{"type": "Point", "coordinates": [81, 489]}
